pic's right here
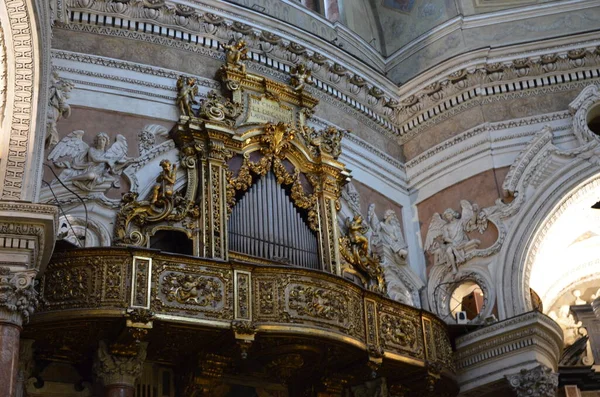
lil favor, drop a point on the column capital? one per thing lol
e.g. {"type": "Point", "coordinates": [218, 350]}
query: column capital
{"type": "Point", "coordinates": [117, 369]}
{"type": "Point", "coordinates": [539, 381]}
{"type": "Point", "coordinates": [18, 298]}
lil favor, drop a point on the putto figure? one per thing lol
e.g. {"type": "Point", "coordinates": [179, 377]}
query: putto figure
{"type": "Point", "coordinates": [235, 55]}
{"type": "Point", "coordinates": [165, 182]}
{"type": "Point", "coordinates": [91, 169]}
{"type": "Point", "coordinates": [300, 77]}
{"type": "Point", "coordinates": [447, 237]}
{"type": "Point", "coordinates": [57, 106]}
{"type": "Point", "coordinates": [354, 247]}
{"type": "Point", "coordinates": [187, 90]}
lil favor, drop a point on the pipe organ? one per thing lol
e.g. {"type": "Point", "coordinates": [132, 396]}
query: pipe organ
{"type": "Point", "coordinates": [280, 206]}
{"type": "Point", "coordinates": [266, 224]}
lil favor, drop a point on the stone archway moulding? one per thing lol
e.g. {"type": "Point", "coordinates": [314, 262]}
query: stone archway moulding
{"type": "Point", "coordinates": [24, 59]}
{"type": "Point", "coordinates": [535, 218]}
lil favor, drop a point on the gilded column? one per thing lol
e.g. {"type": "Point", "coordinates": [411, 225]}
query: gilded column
{"type": "Point", "coordinates": [539, 382]}
{"type": "Point", "coordinates": [328, 196]}
{"type": "Point", "coordinates": [214, 201]}
{"type": "Point", "coordinates": [118, 371]}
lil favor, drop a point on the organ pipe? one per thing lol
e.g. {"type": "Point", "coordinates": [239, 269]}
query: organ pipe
{"type": "Point", "coordinates": [266, 224]}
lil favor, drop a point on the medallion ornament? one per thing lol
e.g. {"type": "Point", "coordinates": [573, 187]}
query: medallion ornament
{"type": "Point", "coordinates": [319, 303]}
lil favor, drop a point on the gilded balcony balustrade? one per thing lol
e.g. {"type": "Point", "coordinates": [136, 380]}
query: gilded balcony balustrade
{"type": "Point", "coordinates": [186, 307]}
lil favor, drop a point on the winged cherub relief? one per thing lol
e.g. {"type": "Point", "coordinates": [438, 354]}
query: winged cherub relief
{"type": "Point", "coordinates": [447, 237]}
{"type": "Point", "coordinates": [91, 169]}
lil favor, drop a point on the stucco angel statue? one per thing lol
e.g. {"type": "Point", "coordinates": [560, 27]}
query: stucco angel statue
{"type": "Point", "coordinates": [91, 169]}
{"type": "Point", "coordinates": [388, 232]}
{"type": "Point", "coordinates": [58, 107]}
{"type": "Point", "coordinates": [447, 237]}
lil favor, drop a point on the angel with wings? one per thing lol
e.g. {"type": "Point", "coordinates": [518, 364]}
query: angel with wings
{"type": "Point", "coordinates": [447, 236]}
{"type": "Point", "coordinates": [91, 168]}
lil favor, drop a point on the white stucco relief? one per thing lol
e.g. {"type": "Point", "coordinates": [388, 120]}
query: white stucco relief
{"type": "Point", "coordinates": [387, 241]}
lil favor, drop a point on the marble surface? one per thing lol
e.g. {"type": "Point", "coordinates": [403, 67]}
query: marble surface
{"type": "Point", "coordinates": [9, 357]}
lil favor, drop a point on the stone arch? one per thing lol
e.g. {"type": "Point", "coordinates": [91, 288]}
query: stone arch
{"type": "Point", "coordinates": [25, 66]}
{"type": "Point", "coordinates": [514, 263]}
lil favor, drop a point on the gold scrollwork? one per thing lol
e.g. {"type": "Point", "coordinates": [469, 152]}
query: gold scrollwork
{"type": "Point", "coordinates": [319, 303]}
{"type": "Point", "coordinates": [219, 110]}
{"type": "Point", "coordinates": [191, 289]}
{"type": "Point", "coordinates": [164, 205]}
{"type": "Point", "coordinates": [397, 331]}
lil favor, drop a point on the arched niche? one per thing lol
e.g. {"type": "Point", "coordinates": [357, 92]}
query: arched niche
{"type": "Point", "coordinates": [545, 225]}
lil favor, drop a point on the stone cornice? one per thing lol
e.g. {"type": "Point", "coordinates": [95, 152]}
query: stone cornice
{"type": "Point", "coordinates": [426, 100]}
{"type": "Point", "coordinates": [485, 355]}
{"type": "Point", "coordinates": [29, 229]}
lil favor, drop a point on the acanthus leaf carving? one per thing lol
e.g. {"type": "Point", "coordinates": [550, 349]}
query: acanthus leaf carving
{"type": "Point", "coordinates": [536, 382]}
{"type": "Point", "coordinates": [18, 297]}
{"type": "Point", "coordinates": [119, 369]}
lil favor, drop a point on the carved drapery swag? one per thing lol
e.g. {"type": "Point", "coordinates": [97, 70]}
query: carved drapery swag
{"type": "Point", "coordinates": [261, 125]}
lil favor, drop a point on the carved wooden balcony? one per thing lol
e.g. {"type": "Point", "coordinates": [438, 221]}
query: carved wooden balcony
{"type": "Point", "coordinates": [187, 307]}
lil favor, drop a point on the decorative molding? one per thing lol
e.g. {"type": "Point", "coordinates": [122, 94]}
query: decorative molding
{"type": "Point", "coordinates": [27, 233]}
{"type": "Point", "coordinates": [524, 341]}
{"type": "Point", "coordinates": [23, 74]}
{"type": "Point", "coordinates": [413, 107]}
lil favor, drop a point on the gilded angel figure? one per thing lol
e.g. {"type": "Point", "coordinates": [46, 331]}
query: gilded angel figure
{"type": "Point", "coordinates": [187, 90]}
{"type": "Point", "coordinates": [300, 76]}
{"type": "Point", "coordinates": [447, 237]}
{"type": "Point", "coordinates": [235, 54]}
{"type": "Point", "coordinates": [95, 168]}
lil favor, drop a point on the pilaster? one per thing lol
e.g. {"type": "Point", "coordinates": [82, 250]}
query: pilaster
{"type": "Point", "coordinates": [27, 233]}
